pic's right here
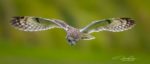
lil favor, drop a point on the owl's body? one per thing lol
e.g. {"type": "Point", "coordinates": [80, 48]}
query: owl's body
{"type": "Point", "coordinates": [28, 23]}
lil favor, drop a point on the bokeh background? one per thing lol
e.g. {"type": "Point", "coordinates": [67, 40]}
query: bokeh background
{"type": "Point", "coordinates": [50, 47]}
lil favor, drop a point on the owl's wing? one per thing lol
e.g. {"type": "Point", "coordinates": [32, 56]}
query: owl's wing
{"type": "Point", "coordinates": [29, 23]}
{"type": "Point", "coordinates": [111, 24]}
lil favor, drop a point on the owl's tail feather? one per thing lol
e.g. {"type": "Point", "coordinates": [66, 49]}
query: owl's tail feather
{"type": "Point", "coordinates": [87, 37]}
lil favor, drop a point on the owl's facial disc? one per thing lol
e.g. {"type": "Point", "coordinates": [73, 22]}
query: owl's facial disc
{"type": "Point", "coordinates": [72, 41]}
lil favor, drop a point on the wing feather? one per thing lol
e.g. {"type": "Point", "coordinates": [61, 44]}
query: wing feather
{"type": "Point", "coordinates": [112, 24]}
{"type": "Point", "coordinates": [29, 23]}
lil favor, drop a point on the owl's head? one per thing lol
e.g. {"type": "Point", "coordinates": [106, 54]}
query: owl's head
{"type": "Point", "coordinates": [72, 40]}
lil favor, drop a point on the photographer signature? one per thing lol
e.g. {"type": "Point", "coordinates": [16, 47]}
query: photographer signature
{"type": "Point", "coordinates": [124, 58]}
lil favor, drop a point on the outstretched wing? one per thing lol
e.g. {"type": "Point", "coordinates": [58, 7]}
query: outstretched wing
{"type": "Point", "coordinates": [29, 23]}
{"type": "Point", "coordinates": [112, 24]}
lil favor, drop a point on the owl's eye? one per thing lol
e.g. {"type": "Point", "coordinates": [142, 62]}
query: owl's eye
{"type": "Point", "coordinates": [69, 40]}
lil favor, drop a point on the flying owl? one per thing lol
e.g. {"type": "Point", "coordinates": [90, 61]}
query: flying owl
{"type": "Point", "coordinates": [30, 23]}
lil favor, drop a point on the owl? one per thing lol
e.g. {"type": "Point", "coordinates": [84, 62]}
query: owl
{"type": "Point", "coordinates": [31, 24]}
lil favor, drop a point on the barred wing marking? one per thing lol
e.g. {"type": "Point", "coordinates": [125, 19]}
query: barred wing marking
{"type": "Point", "coordinates": [28, 23]}
{"type": "Point", "coordinates": [112, 24]}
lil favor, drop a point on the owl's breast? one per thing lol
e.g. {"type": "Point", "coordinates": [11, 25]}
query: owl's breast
{"type": "Point", "coordinates": [74, 33]}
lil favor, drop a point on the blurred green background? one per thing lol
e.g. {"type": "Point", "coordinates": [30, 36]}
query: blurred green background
{"type": "Point", "coordinates": [51, 47]}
